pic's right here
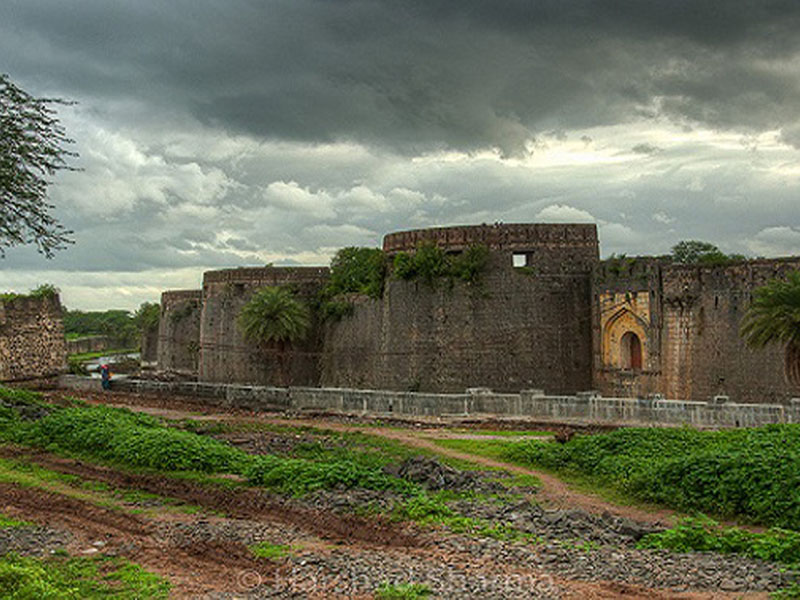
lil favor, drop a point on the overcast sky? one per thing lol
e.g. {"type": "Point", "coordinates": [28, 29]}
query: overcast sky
{"type": "Point", "coordinates": [217, 133]}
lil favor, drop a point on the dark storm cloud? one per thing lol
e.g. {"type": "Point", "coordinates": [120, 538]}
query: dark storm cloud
{"type": "Point", "coordinates": [417, 75]}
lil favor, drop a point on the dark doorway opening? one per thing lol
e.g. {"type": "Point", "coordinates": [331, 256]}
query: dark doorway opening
{"type": "Point", "coordinates": [631, 351]}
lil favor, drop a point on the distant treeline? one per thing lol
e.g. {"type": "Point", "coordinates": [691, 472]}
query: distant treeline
{"type": "Point", "coordinates": [122, 326]}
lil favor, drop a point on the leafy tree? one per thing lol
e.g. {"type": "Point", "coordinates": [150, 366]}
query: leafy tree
{"type": "Point", "coordinates": [119, 325]}
{"type": "Point", "coordinates": [31, 150]}
{"type": "Point", "coordinates": [357, 270]}
{"type": "Point", "coordinates": [774, 317]}
{"type": "Point", "coordinates": [690, 252]}
{"type": "Point", "coordinates": [147, 316]}
{"type": "Point", "coordinates": [274, 317]}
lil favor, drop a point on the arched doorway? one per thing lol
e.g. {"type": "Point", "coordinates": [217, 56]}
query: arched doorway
{"type": "Point", "coordinates": [631, 351]}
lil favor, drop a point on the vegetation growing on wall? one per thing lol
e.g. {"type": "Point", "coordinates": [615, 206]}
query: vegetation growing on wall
{"type": "Point", "coordinates": [46, 290]}
{"type": "Point", "coordinates": [430, 263]}
{"type": "Point", "coordinates": [274, 315]}
{"type": "Point", "coordinates": [357, 271]}
{"type": "Point", "coordinates": [353, 271]}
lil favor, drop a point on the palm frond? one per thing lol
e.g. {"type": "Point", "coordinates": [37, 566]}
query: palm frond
{"type": "Point", "coordinates": [273, 314]}
{"type": "Point", "coordinates": [774, 314]}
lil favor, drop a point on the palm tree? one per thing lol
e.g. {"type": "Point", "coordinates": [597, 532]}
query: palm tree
{"type": "Point", "coordinates": [774, 317]}
{"type": "Point", "coordinates": [273, 316]}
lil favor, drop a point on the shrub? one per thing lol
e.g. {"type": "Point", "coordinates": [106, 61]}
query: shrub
{"type": "Point", "coordinates": [701, 534]}
{"type": "Point", "coordinates": [298, 476]}
{"type": "Point", "coordinates": [133, 439]}
{"type": "Point", "coordinates": [753, 472]}
{"type": "Point", "coordinates": [24, 578]}
{"type": "Point", "coordinates": [430, 263]}
{"type": "Point", "coordinates": [357, 271]}
{"type": "Point", "coordinates": [402, 591]}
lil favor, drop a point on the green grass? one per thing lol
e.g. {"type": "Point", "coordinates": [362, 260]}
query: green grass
{"type": "Point", "coordinates": [402, 591]}
{"type": "Point", "coordinates": [432, 509]}
{"type": "Point", "coordinates": [9, 523]}
{"type": "Point", "coordinates": [751, 473]}
{"type": "Point", "coordinates": [97, 493]}
{"type": "Point", "coordinates": [121, 437]}
{"type": "Point", "coordinates": [60, 578]}
{"type": "Point", "coordinates": [271, 551]}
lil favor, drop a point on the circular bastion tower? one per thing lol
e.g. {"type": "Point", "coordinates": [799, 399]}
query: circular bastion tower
{"type": "Point", "coordinates": [525, 324]}
{"type": "Point", "coordinates": [179, 331]}
{"type": "Point", "coordinates": [226, 357]}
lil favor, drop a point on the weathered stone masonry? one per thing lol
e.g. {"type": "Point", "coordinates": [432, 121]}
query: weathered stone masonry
{"type": "Point", "coordinates": [179, 331]}
{"type": "Point", "coordinates": [224, 354]}
{"type": "Point", "coordinates": [518, 328]}
{"type": "Point", "coordinates": [686, 318]}
{"type": "Point", "coordinates": [32, 344]}
{"type": "Point", "coordinates": [547, 314]}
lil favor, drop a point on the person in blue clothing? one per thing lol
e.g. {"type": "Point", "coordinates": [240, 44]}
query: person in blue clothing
{"type": "Point", "coordinates": [105, 376]}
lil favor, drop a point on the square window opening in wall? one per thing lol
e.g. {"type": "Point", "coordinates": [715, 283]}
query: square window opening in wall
{"type": "Point", "coordinates": [519, 260]}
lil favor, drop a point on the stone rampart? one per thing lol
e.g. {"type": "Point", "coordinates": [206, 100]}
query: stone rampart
{"type": "Point", "coordinates": [179, 331]}
{"type": "Point", "coordinates": [32, 344]}
{"type": "Point", "coordinates": [225, 356]}
{"type": "Point", "coordinates": [525, 323]}
{"type": "Point", "coordinates": [686, 319]}
{"type": "Point", "coordinates": [91, 343]}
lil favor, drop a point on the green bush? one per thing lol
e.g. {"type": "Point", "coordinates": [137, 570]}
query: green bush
{"type": "Point", "coordinates": [133, 439]}
{"type": "Point", "coordinates": [358, 271]}
{"type": "Point", "coordinates": [138, 440]}
{"type": "Point", "coordinates": [753, 472]}
{"type": "Point", "coordinates": [403, 591]}
{"type": "Point", "coordinates": [704, 535]}
{"type": "Point", "coordinates": [431, 263]}
{"type": "Point", "coordinates": [299, 476]}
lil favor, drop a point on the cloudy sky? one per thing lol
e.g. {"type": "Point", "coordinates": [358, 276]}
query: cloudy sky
{"type": "Point", "coordinates": [217, 134]}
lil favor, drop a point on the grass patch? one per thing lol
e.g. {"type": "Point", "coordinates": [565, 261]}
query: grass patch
{"type": "Point", "coordinates": [271, 551]}
{"type": "Point", "coordinates": [120, 437]}
{"type": "Point", "coordinates": [505, 432]}
{"type": "Point", "coordinates": [403, 591]}
{"type": "Point", "coordinates": [9, 523]}
{"type": "Point", "coordinates": [431, 509]}
{"type": "Point", "coordinates": [60, 578]}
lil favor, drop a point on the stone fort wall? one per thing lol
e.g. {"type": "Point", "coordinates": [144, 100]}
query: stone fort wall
{"type": "Point", "coordinates": [179, 331]}
{"type": "Point", "coordinates": [32, 344]}
{"type": "Point", "coordinates": [687, 318]}
{"type": "Point", "coordinates": [225, 356]}
{"type": "Point", "coordinates": [519, 327]}
{"type": "Point", "coordinates": [547, 314]}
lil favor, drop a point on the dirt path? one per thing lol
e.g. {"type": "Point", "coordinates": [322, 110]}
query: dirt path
{"type": "Point", "coordinates": [553, 492]}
